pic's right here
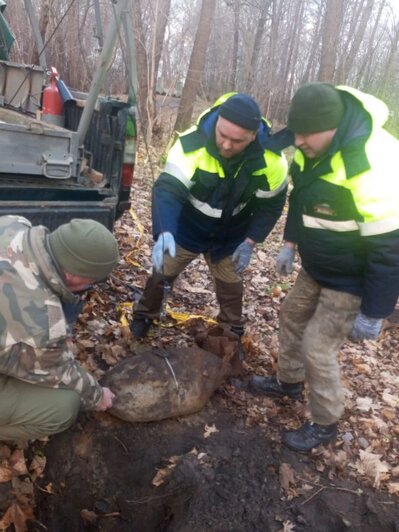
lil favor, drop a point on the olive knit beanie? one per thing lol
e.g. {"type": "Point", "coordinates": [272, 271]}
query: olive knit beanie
{"type": "Point", "coordinates": [315, 107]}
{"type": "Point", "coordinates": [242, 110]}
{"type": "Point", "coordinates": [84, 247]}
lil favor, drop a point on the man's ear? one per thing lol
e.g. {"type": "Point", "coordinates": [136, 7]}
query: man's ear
{"type": "Point", "coordinates": [68, 276]}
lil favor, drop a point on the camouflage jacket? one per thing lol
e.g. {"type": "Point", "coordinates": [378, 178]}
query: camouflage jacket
{"type": "Point", "coordinates": [35, 345]}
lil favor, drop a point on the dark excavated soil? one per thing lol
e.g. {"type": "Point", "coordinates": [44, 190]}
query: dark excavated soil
{"type": "Point", "coordinates": [100, 476]}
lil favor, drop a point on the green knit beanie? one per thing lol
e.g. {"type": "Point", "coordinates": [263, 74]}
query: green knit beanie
{"type": "Point", "coordinates": [85, 248]}
{"type": "Point", "coordinates": [315, 107]}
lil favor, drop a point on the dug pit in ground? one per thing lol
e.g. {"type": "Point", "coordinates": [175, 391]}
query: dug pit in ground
{"type": "Point", "coordinates": [206, 471]}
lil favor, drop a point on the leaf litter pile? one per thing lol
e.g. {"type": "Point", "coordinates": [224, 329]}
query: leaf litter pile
{"type": "Point", "coordinates": [223, 468]}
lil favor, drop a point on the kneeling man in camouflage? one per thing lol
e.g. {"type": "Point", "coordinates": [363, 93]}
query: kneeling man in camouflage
{"type": "Point", "coordinates": [42, 386]}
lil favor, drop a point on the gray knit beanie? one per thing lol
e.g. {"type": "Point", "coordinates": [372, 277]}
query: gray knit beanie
{"type": "Point", "coordinates": [84, 247]}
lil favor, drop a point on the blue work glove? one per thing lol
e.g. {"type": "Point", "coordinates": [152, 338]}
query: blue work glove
{"type": "Point", "coordinates": [165, 243]}
{"type": "Point", "coordinates": [242, 256]}
{"type": "Point", "coordinates": [285, 260]}
{"type": "Point", "coordinates": [365, 328]}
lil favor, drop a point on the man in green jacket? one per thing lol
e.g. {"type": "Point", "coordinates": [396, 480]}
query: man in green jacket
{"type": "Point", "coordinates": [343, 220]}
{"type": "Point", "coordinates": [42, 386]}
{"type": "Point", "coordinates": [222, 190]}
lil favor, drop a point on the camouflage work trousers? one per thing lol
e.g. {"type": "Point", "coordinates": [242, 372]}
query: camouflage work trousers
{"type": "Point", "coordinates": [29, 411]}
{"type": "Point", "coordinates": [314, 323]}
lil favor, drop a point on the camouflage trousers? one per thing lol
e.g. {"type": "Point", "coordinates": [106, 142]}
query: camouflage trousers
{"type": "Point", "coordinates": [314, 323]}
{"type": "Point", "coordinates": [29, 411]}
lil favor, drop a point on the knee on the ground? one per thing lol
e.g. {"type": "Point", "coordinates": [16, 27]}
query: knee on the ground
{"type": "Point", "coordinates": [62, 413]}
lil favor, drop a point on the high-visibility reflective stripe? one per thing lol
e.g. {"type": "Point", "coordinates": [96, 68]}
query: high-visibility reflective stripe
{"type": "Point", "coordinates": [379, 227]}
{"type": "Point", "coordinates": [366, 228]}
{"type": "Point", "coordinates": [271, 193]}
{"type": "Point", "coordinates": [176, 171]}
{"type": "Point", "coordinates": [239, 208]}
{"type": "Point", "coordinates": [205, 208]}
{"type": "Point", "coordinates": [331, 225]}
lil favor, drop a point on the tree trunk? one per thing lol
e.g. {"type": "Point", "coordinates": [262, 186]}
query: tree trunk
{"type": "Point", "coordinates": [292, 59]}
{"type": "Point", "coordinates": [312, 62]}
{"type": "Point", "coordinates": [372, 47]}
{"type": "Point", "coordinates": [196, 67]}
{"type": "Point", "coordinates": [142, 69]}
{"type": "Point", "coordinates": [389, 72]}
{"type": "Point", "coordinates": [356, 34]}
{"type": "Point", "coordinates": [260, 28]}
{"type": "Point", "coordinates": [330, 36]}
{"type": "Point", "coordinates": [161, 18]}
{"type": "Point", "coordinates": [236, 35]}
{"type": "Point", "coordinates": [43, 23]}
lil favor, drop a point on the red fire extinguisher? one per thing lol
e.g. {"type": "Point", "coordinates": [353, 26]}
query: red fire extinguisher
{"type": "Point", "coordinates": [52, 104]}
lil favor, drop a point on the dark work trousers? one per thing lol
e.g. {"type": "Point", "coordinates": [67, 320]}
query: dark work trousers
{"type": "Point", "coordinates": [228, 286]}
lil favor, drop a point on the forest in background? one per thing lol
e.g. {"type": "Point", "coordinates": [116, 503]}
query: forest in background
{"type": "Point", "coordinates": [203, 48]}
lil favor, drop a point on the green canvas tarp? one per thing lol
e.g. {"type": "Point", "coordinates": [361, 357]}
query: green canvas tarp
{"type": "Point", "coordinates": [6, 35]}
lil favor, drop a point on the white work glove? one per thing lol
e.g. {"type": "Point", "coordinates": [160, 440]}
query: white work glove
{"type": "Point", "coordinates": [365, 328]}
{"type": "Point", "coordinates": [285, 260]}
{"type": "Point", "coordinates": [165, 243]}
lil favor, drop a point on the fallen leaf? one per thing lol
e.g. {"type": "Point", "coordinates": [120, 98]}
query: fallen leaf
{"type": "Point", "coordinates": [288, 526]}
{"type": "Point", "coordinates": [49, 488]}
{"type": "Point", "coordinates": [6, 473]}
{"type": "Point", "coordinates": [276, 291]}
{"type": "Point", "coordinates": [89, 517]}
{"type": "Point", "coordinates": [371, 466]}
{"type": "Point", "coordinates": [209, 429]}
{"type": "Point", "coordinates": [393, 488]}
{"type": "Point", "coordinates": [286, 476]}
{"type": "Point", "coordinates": [363, 368]}
{"type": "Point", "coordinates": [389, 414]}
{"type": "Point", "coordinates": [37, 466]}
{"type": "Point", "coordinates": [364, 404]}
{"type": "Point", "coordinates": [390, 400]}
{"type": "Point", "coordinates": [162, 474]}
{"type": "Point", "coordinates": [17, 515]}
{"type": "Point", "coordinates": [23, 489]}
{"type": "Point", "coordinates": [5, 452]}
{"type": "Point", "coordinates": [17, 462]}
{"type": "Point", "coordinates": [86, 343]}
{"type": "Point", "coordinates": [380, 424]}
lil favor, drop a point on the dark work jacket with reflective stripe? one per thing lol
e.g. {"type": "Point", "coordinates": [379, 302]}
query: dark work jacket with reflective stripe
{"type": "Point", "coordinates": [200, 233]}
{"type": "Point", "coordinates": [367, 266]}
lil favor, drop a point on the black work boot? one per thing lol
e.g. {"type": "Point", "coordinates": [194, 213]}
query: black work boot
{"type": "Point", "coordinates": [272, 387]}
{"type": "Point", "coordinates": [140, 327]}
{"type": "Point", "coordinates": [309, 435]}
{"type": "Point", "coordinates": [237, 329]}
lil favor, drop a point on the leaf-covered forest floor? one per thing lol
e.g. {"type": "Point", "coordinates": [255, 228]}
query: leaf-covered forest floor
{"type": "Point", "coordinates": [224, 468]}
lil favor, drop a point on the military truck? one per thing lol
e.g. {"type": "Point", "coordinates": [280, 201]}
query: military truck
{"type": "Point", "coordinates": [70, 159]}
